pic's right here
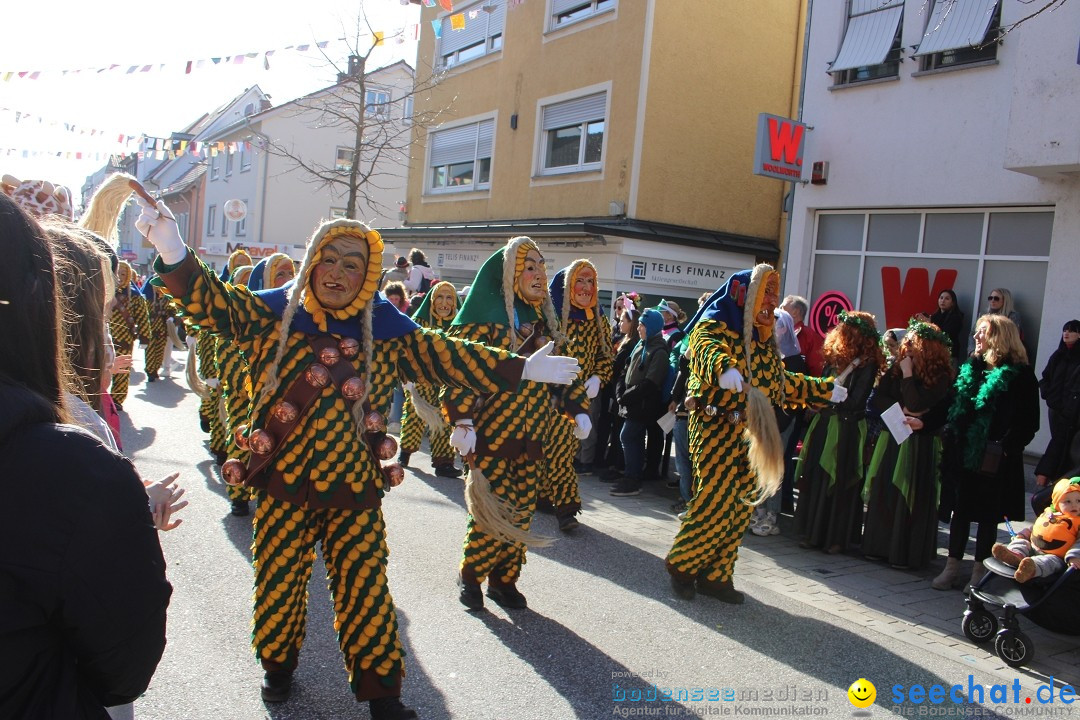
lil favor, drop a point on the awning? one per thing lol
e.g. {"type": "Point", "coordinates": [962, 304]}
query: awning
{"type": "Point", "coordinates": [870, 34]}
{"type": "Point", "coordinates": [956, 24]}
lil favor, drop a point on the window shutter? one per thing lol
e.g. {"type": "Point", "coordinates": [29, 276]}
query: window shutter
{"type": "Point", "coordinates": [558, 7]}
{"type": "Point", "coordinates": [456, 145]}
{"type": "Point", "coordinates": [497, 18]}
{"type": "Point", "coordinates": [870, 34]}
{"type": "Point", "coordinates": [485, 136]}
{"type": "Point", "coordinates": [955, 25]}
{"type": "Point", "coordinates": [575, 112]}
{"type": "Point", "coordinates": [475, 30]}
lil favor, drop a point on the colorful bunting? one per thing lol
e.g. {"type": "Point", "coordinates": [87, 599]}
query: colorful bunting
{"type": "Point", "coordinates": [457, 22]}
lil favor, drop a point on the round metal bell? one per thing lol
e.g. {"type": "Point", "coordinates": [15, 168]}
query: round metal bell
{"type": "Point", "coordinates": [541, 341]}
{"type": "Point", "coordinates": [350, 347]}
{"type": "Point", "coordinates": [374, 423]}
{"type": "Point", "coordinates": [329, 356]}
{"type": "Point", "coordinates": [386, 448]}
{"type": "Point", "coordinates": [285, 412]}
{"type": "Point", "coordinates": [691, 403]}
{"type": "Point", "coordinates": [317, 375]}
{"type": "Point", "coordinates": [395, 474]}
{"type": "Point", "coordinates": [233, 472]}
{"type": "Point", "coordinates": [711, 410]}
{"type": "Point", "coordinates": [261, 442]}
{"type": "Point", "coordinates": [734, 416]}
{"type": "Point", "coordinates": [240, 437]}
{"type": "Point", "coordinates": [353, 389]}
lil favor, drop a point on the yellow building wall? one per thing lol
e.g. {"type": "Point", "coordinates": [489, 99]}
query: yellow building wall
{"type": "Point", "coordinates": [714, 66]}
{"type": "Point", "coordinates": [530, 69]}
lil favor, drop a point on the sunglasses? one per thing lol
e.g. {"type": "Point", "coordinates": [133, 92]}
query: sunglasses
{"type": "Point", "coordinates": [993, 297]}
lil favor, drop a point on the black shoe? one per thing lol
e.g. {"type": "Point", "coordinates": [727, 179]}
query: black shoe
{"type": "Point", "coordinates": [276, 685]}
{"type": "Point", "coordinates": [448, 471]}
{"type": "Point", "coordinates": [722, 591]}
{"type": "Point", "coordinates": [625, 489]}
{"type": "Point", "coordinates": [672, 483]}
{"type": "Point", "coordinates": [583, 468]}
{"type": "Point", "coordinates": [568, 522]}
{"type": "Point", "coordinates": [678, 507]}
{"type": "Point", "coordinates": [610, 475]}
{"type": "Point", "coordinates": [543, 505]}
{"type": "Point", "coordinates": [685, 590]}
{"type": "Point", "coordinates": [470, 595]}
{"type": "Point", "coordinates": [240, 508]}
{"type": "Point", "coordinates": [507, 596]}
{"type": "Point", "coordinates": [204, 422]}
{"type": "Point", "coordinates": [151, 377]}
{"type": "Point", "coordinates": [403, 458]}
{"type": "Point", "coordinates": [390, 708]}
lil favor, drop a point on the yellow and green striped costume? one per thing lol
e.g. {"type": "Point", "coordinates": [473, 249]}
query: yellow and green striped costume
{"type": "Point", "coordinates": [324, 484]}
{"type": "Point", "coordinates": [412, 425]}
{"type": "Point", "coordinates": [716, 519]}
{"type": "Point", "coordinates": [128, 321]}
{"type": "Point", "coordinates": [586, 343]}
{"type": "Point", "coordinates": [160, 309]}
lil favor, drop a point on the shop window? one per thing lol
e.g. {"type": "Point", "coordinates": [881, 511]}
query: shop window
{"type": "Point", "coordinates": [1014, 233]}
{"type": "Point", "coordinates": [953, 233]}
{"type": "Point", "coordinates": [893, 232]}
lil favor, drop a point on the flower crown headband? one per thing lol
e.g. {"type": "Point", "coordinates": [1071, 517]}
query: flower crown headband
{"type": "Point", "coordinates": [860, 324]}
{"type": "Point", "coordinates": [929, 332]}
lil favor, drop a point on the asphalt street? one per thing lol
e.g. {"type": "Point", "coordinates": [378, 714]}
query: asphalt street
{"type": "Point", "coordinates": [602, 635]}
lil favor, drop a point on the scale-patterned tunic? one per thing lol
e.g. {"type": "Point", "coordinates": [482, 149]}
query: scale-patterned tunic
{"type": "Point", "coordinates": [160, 310]}
{"type": "Point", "coordinates": [413, 426]}
{"type": "Point", "coordinates": [716, 519]}
{"type": "Point", "coordinates": [586, 343]}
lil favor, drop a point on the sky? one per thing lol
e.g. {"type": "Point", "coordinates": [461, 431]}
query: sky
{"type": "Point", "coordinates": [37, 115]}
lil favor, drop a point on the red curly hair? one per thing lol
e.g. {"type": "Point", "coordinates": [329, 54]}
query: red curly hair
{"type": "Point", "coordinates": [931, 359]}
{"type": "Point", "coordinates": [845, 342]}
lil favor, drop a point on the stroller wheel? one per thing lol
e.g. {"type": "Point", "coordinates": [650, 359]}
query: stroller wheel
{"type": "Point", "coordinates": [1014, 647]}
{"type": "Point", "coordinates": [979, 626]}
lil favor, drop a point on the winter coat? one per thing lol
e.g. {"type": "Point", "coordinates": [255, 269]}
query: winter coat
{"type": "Point", "coordinates": [82, 579]}
{"type": "Point", "coordinates": [951, 323]}
{"type": "Point", "coordinates": [642, 382]}
{"type": "Point", "coordinates": [1060, 383]}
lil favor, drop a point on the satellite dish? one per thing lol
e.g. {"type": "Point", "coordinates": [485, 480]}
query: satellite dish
{"type": "Point", "coordinates": [235, 210]}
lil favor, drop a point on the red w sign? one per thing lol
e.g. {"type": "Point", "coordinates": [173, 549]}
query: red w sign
{"type": "Point", "coordinates": [915, 295]}
{"type": "Point", "coordinates": [779, 149]}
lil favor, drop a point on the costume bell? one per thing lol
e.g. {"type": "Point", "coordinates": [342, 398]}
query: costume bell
{"type": "Point", "coordinates": [732, 353]}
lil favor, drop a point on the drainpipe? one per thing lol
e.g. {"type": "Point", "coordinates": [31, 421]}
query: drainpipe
{"type": "Point", "coordinates": [799, 117]}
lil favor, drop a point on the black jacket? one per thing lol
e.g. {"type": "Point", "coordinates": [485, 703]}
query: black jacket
{"type": "Point", "coordinates": [1060, 383]}
{"type": "Point", "coordinates": [82, 579]}
{"type": "Point", "coordinates": [639, 393]}
{"type": "Point", "coordinates": [952, 324]}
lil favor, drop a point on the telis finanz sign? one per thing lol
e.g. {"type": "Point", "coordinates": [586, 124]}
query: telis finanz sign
{"type": "Point", "coordinates": [779, 149]}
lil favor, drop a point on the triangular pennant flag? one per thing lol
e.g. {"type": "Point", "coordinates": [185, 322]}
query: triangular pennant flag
{"type": "Point", "coordinates": [266, 61]}
{"type": "Point", "coordinates": [322, 44]}
{"type": "Point", "coordinates": [378, 39]}
{"type": "Point", "coordinates": [457, 22]}
{"type": "Point", "coordinates": [187, 70]}
{"type": "Point", "coordinates": [429, 3]}
{"type": "Point", "coordinates": [447, 5]}
{"type": "Point", "coordinates": [437, 27]}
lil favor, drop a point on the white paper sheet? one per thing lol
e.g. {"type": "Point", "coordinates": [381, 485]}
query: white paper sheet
{"type": "Point", "coordinates": [667, 422]}
{"type": "Point", "coordinates": [894, 420]}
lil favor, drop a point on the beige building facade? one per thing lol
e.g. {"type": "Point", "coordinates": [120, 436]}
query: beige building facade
{"type": "Point", "coordinates": [619, 130]}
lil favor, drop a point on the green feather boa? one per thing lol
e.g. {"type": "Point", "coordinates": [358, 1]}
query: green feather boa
{"type": "Point", "coordinates": [977, 392]}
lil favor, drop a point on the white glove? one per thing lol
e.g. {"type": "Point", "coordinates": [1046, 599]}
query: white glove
{"type": "Point", "coordinates": [212, 382]}
{"type": "Point", "coordinates": [839, 394]}
{"type": "Point", "coordinates": [159, 226]}
{"type": "Point", "coordinates": [463, 439]}
{"type": "Point", "coordinates": [583, 426]}
{"type": "Point", "coordinates": [544, 367]}
{"type": "Point", "coordinates": [592, 387]}
{"type": "Point", "coordinates": [730, 379]}
{"type": "Point", "coordinates": [408, 387]}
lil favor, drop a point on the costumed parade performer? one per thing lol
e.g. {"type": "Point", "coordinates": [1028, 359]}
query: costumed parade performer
{"type": "Point", "coordinates": [588, 339]}
{"type": "Point", "coordinates": [161, 313]}
{"type": "Point", "coordinates": [272, 271]}
{"type": "Point", "coordinates": [436, 311]}
{"type": "Point", "coordinates": [235, 398]}
{"type": "Point", "coordinates": [128, 321]}
{"type": "Point", "coordinates": [237, 259]}
{"type": "Point", "coordinates": [502, 434]}
{"type": "Point", "coordinates": [736, 376]}
{"type": "Point", "coordinates": [318, 350]}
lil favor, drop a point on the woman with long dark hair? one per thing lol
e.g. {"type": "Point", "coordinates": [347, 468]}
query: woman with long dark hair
{"type": "Point", "coordinates": [994, 415]}
{"type": "Point", "coordinates": [950, 319]}
{"type": "Point", "coordinates": [610, 426]}
{"type": "Point", "coordinates": [84, 592]}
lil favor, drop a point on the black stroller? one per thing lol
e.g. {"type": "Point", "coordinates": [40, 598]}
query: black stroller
{"type": "Point", "coordinates": [998, 599]}
{"type": "Point", "coordinates": [995, 602]}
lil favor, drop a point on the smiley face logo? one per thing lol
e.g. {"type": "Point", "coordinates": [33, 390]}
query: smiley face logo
{"type": "Point", "coordinates": [862, 693]}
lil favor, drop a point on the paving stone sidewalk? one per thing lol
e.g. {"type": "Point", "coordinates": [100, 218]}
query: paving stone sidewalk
{"type": "Point", "coordinates": [863, 593]}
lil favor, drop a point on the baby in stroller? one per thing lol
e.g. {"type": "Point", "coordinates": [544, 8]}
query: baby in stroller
{"type": "Point", "coordinates": [1045, 548]}
{"type": "Point", "coordinates": [1050, 600]}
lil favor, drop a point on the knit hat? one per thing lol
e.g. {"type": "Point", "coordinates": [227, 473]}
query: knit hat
{"type": "Point", "coordinates": [1062, 487]}
{"type": "Point", "coordinates": [402, 261]}
{"type": "Point", "coordinates": [653, 322]}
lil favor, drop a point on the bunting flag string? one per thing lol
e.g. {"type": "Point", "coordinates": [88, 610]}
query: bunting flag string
{"type": "Point", "coordinates": [154, 149]}
{"type": "Point", "coordinates": [378, 38]}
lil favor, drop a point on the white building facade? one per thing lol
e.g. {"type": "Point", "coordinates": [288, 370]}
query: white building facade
{"type": "Point", "coordinates": [950, 162]}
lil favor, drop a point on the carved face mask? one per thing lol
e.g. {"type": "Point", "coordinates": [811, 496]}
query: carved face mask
{"type": "Point", "coordinates": [337, 278]}
{"type": "Point", "coordinates": [584, 290]}
{"type": "Point", "coordinates": [532, 280]}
